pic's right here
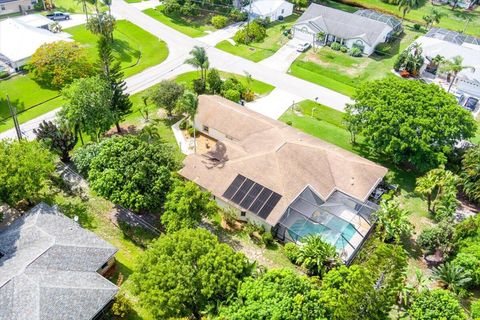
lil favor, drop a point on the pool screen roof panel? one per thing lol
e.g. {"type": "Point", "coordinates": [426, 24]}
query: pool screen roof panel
{"type": "Point", "coordinates": [252, 196]}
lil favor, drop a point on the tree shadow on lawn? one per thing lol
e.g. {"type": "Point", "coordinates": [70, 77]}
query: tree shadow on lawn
{"type": "Point", "coordinates": [465, 15]}
{"type": "Point", "coordinates": [125, 52]}
{"type": "Point", "coordinates": [394, 50]}
{"type": "Point", "coordinates": [5, 111]}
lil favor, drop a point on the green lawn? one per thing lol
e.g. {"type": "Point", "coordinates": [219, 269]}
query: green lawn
{"type": "Point", "coordinates": [134, 47]}
{"type": "Point", "coordinates": [453, 19]}
{"type": "Point", "coordinates": [72, 6]}
{"type": "Point", "coordinates": [260, 50]}
{"type": "Point", "coordinates": [256, 86]}
{"type": "Point", "coordinates": [341, 72]}
{"type": "Point", "coordinates": [192, 28]}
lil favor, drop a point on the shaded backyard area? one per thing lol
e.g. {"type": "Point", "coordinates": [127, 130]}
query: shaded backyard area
{"type": "Point", "coordinates": [260, 50]}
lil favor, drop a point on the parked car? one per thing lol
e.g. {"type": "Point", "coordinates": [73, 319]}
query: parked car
{"type": "Point", "coordinates": [302, 47]}
{"type": "Point", "coordinates": [58, 16]}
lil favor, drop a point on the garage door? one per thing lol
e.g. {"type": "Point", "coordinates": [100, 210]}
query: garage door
{"type": "Point", "coordinates": [302, 34]}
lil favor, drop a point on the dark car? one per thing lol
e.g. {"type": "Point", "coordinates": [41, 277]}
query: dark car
{"type": "Point", "coordinates": [58, 16]}
{"type": "Point", "coordinates": [471, 103]}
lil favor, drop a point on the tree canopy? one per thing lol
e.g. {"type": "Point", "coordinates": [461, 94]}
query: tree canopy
{"type": "Point", "coordinates": [367, 290]}
{"type": "Point", "coordinates": [88, 106]}
{"type": "Point", "coordinates": [470, 176]}
{"type": "Point", "coordinates": [133, 173]}
{"type": "Point", "coordinates": [185, 273]}
{"type": "Point", "coordinates": [185, 207]}
{"type": "Point", "coordinates": [278, 294]}
{"type": "Point", "coordinates": [166, 94]}
{"type": "Point", "coordinates": [436, 304]}
{"type": "Point", "coordinates": [59, 63]}
{"type": "Point", "coordinates": [25, 168]}
{"type": "Point", "coordinates": [409, 122]}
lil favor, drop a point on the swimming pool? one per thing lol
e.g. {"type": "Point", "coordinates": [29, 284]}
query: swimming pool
{"type": "Point", "coordinates": [335, 231]}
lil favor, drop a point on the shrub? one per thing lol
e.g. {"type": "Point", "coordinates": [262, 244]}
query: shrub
{"type": "Point", "coordinates": [291, 251]}
{"type": "Point", "coordinates": [3, 74]}
{"type": "Point", "coordinates": [436, 304]}
{"type": "Point", "coordinates": [237, 15]}
{"type": "Point", "coordinates": [343, 49]}
{"type": "Point", "coordinates": [256, 33]}
{"type": "Point", "coordinates": [417, 27]}
{"type": "Point", "coordinates": [121, 306]}
{"type": "Point", "coordinates": [335, 46]}
{"type": "Point", "coordinates": [171, 7]}
{"type": "Point", "coordinates": [290, 123]}
{"type": "Point", "coordinates": [476, 310]}
{"type": "Point", "coordinates": [219, 22]}
{"type": "Point", "coordinates": [316, 255]}
{"type": "Point", "coordinates": [2, 216]}
{"type": "Point", "coordinates": [438, 237]}
{"type": "Point", "coordinates": [232, 95]}
{"type": "Point", "coordinates": [249, 95]}
{"type": "Point", "coordinates": [233, 84]}
{"type": "Point", "coordinates": [189, 9]}
{"type": "Point", "coordinates": [267, 239]}
{"type": "Point", "coordinates": [198, 86]}
{"type": "Point", "coordinates": [84, 156]}
{"type": "Point", "coordinates": [229, 215]}
{"type": "Point", "coordinates": [356, 52]}
{"type": "Point", "coordinates": [190, 131]}
{"type": "Point", "coordinates": [214, 81]}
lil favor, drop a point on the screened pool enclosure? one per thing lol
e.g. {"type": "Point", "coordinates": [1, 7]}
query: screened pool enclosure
{"type": "Point", "coordinates": [341, 220]}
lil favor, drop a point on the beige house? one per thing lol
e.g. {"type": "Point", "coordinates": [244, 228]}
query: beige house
{"type": "Point", "coordinates": [14, 6]}
{"type": "Point", "coordinates": [282, 178]}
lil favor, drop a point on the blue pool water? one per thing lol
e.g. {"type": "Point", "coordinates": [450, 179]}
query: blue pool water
{"type": "Point", "coordinates": [329, 231]}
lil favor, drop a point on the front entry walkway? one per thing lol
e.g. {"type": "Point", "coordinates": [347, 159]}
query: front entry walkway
{"type": "Point", "coordinates": [284, 57]}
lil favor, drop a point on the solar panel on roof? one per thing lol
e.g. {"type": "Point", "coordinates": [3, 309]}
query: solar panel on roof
{"type": "Point", "coordinates": [242, 191]}
{"type": "Point", "coordinates": [260, 201]}
{"type": "Point", "coordinates": [252, 196]}
{"type": "Point", "coordinates": [232, 189]}
{"type": "Point", "coordinates": [269, 205]}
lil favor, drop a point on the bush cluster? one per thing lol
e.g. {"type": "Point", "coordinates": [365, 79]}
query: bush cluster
{"type": "Point", "coordinates": [255, 32]}
{"type": "Point", "coordinates": [219, 22]}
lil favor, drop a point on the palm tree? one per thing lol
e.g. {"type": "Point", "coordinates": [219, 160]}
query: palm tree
{"type": "Point", "coordinates": [455, 66]}
{"type": "Point", "coordinates": [452, 276]}
{"type": "Point", "coordinates": [471, 174]}
{"type": "Point", "coordinates": [188, 104]}
{"type": "Point", "coordinates": [392, 221]}
{"type": "Point", "coordinates": [150, 133]}
{"type": "Point", "coordinates": [316, 255]}
{"type": "Point", "coordinates": [199, 60]}
{"type": "Point", "coordinates": [84, 6]}
{"type": "Point", "coordinates": [407, 5]}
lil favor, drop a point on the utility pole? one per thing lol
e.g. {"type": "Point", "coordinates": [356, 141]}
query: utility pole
{"type": "Point", "coordinates": [13, 113]}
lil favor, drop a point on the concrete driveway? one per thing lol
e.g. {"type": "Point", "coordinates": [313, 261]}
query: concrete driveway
{"type": "Point", "coordinates": [284, 57]}
{"type": "Point", "coordinates": [146, 4]}
{"type": "Point", "coordinates": [75, 20]}
{"type": "Point", "coordinates": [275, 104]}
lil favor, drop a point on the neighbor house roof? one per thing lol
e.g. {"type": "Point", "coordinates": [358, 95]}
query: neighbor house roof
{"type": "Point", "coordinates": [343, 24]}
{"type": "Point", "coordinates": [34, 20]}
{"type": "Point", "coordinates": [274, 155]}
{"type": "Point", "coordinates": [48, 268]}
{"type": "Point", "coordinates": [265, 7]}
{"type": "Point", "coordinates": [433, 46]}
{"type": "Point", "coordinates": [19, 41]}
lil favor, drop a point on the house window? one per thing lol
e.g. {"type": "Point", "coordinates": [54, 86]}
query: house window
{"type": "Point", "coordinates": [243, 214]}
{"type": "Point", "coordinates": [283, 10]}
{"type": "Point", "coordinates": [2, 7]}
{"type": "Point", "coordinates": [205, 129]}
{"type": "Point", "coordinates": [104, 265]}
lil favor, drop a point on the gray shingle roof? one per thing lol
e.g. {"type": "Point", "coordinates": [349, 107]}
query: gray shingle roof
{"type": "Point", "coordinates": [49, 266]}
{"type": "Point", "coordinates": [342, 24]}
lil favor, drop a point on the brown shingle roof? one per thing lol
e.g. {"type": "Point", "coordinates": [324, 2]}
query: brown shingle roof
{"type": "Point", "coordinates": [276, 156]}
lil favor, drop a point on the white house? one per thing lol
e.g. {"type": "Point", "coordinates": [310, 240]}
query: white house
{"type": "Point", "coordinates": [364, 29]}
{"type": "Point", "coordinates": [19, 40]}
{"type": "Point", "coordinates": [272, 9]}
{"type": "Point", "coordinates": [449, 44]}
